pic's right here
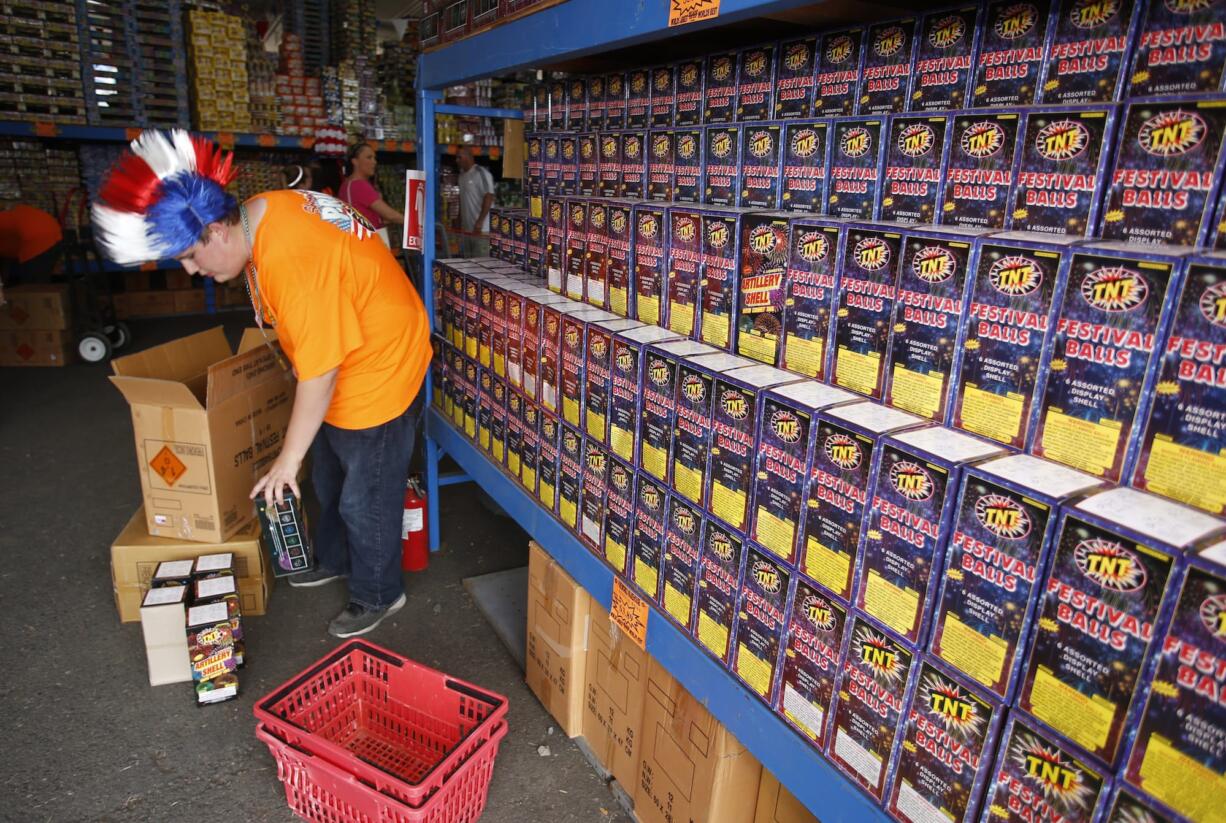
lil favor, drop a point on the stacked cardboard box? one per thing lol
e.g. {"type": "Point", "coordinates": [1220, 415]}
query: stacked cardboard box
{"type": "Point", "coordinates": [217, 56]}
{"type": "Point", "coordinates": [36, 327]}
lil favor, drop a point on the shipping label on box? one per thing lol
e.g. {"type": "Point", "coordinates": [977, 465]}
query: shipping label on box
{"type": "Point", "coordinates": [685, 242]}
{"type": "Point", "coordinates": [575, 263]}
{"type": "Point", "coordinates": [719, 582]}
{"type": "Point", "coordinates": [760, 157]}
{"type": "Point", "coordinates": [867, 288]}
{"type": "Point", "coordinates": [687, 165]}
{"type": "Point", "coordinates": [692, 437]}
{"type": "Point", "coordinates": [840, 55]}
{"type": "Point", "coordinates": [1063, 154]}
{"type": "Point", "coordinates": [609, 170]}
{"type": "Point", "coordinates": [1090, 45]}
{"type": "Point", "coordinates": [722, 165]}
{"type": "Point", "coordinates": [615, 102]}
{"type": "Point", "coordinates": [633, 164]}
{"type": "Point", "coordinates": [663, 96]}
{"type": "Point", "coordinates": [679, 566]}
{"type": "Point", "coordinates": [760, 623]}
{"type": "Point", "coordinates": [755, 90]}
{"type": "Point", "coordinates": [570, 476]}
{"type": "Point", "coordinates": [638, 98]}
{"type": "Point", "coordinates": [552, 180]}
{"type": "Point", "coordinates": [595, 491]}
{"type": "Point", "coordinates": [576, 104]}
{"type": "Point", "coordinates": [889, 54]}
{"type": "Point", "coordinates": [1180, 48]}
{"type": "Point", "coordinates": [877, 676]}
{"type": "Point", "coordinates": [595, 104]}
{"type": "Point", "coordinates": [515, 433]}
{"type": "Point", "coordinates": [721, 236]}
{"type": "Point", "coordinates": [812, 280]}
{"type": "Point", "coordinates": [547, 461]}
{"type": "Point", "coordinates": [812, 654]}
{"type": "Point", "coordinates": [856, 154]}
{"type": "Point", "coordinates": [647, 548]}
{"type": "Point", "coordinates": [595, 274]}
{"type": "Point", "coordinates": [688, 99]}
{"type": "Point", "coordinates": [1168, 163]}
{"type": "Point", "coordinates": [568, 164]}
{"type": "Point", "coordinates": [555, 244]}
{"type": "Point", "coordinates": [660, 166]}
{"type": "Point", "coordinates": [764, 248]}
{"type": "Point", "coordinates": [618, 259]}
{"type": "Point", "coordinates": [618, 523]}
{"type": "Point", "coordinates": [720, 88]}
{"type": "Point", "coordinates": [945, 50]}
{"type": "Point", "coordinates": [570, 380]}
{"type": "Point", "coordinates": [915, 164]}
{"type": "Point", "coordinates": [1012, 53]}
{"type": "Point", "coordinates": [1016, 288]}
{"type": "Point", "coordinates": [981, 170]}
{"type": "Point", "coordinates": [651, 248]}
{"type": "Point", "coordinates": [588, 183]}
{"type": "Point", "coordinates": [794, 83]}
{"type": "Point", "coordinates": [498, 420]}
{"type": "Point", "coordinates": [802, 184]}
{"type": "Point", "coordinates": [530, 452]}
{"type": "Point", "coordinates": [1113, 311]}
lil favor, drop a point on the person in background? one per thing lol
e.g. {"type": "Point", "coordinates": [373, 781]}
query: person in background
{"type": "Point", "coordinates": [348, 319]}
{"type": "Point", "coordinates": [476, 199]}
{"type": "Point", "coordinates": [30, 244]}
{"type": "Point", "coordinates": [297, 177]}
{"type": "Point", "coordinates": [358, 191]}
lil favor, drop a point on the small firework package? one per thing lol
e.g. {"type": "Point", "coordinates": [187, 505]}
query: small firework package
{"type": "Point", "coordinates": [755, 91]}
{"type": "Point", "coordinates": [1087, 58]}
{"type": "Point", "coordinates": [794, 86]}
{"type": "Point", "coordinates": [687, 108]}
{"type": "Point", "coordinates": [695, 410]}
{"type": "Point", "coordinates": [1018, 282]}
{"type": "Point", "coordinates": [759, 629]}
{"type": "Point", "coordinates": [684, 281]}
{"type": "Point", "coordinates": [721, 165]}
{"type": "Point", "coordinates": [618, 515]}
{"type": "Point", "coordinates": [994, 563]}
{"type": "Point", "coordinates": [812, 650]}
{"type": "Point", "coordinates": [720, 284]}
{"type": "Point", "coordinates": [598, 376]}
{"type": "Point", "coordinates": [626, 386]}
{"type": "Point", "coordinates": [618, 281]}
{"type": "Point", "coordinates": [534, 164]}
{"type": "Point", "coordinates": [803, 178]}
{"type": "Point", "coordinates": [530, 453]}
{"type": "Point", "coordinates": [945, 51]}
{"type": "Point", "coordinates": [615, 101]}
{"type": "Point", "coordinates": [540, 335]}
{"type": "Point", "coordinates": [839, 488]}
{"type": "Point", "coordinates": [472, 313]}
{"type": "Point", "coordinates": [1037, 777]}
{"type": "Point", "coordinates": [659, 404]}
{"type": "Point", "coordinates": [719, 88]}
{"type": "Point", "coordinates": [595, 103]}
{"type": "Point", "coordinates": [948, 739]}
{"type": "Point", "coordinates": [575, 255]}
{"type": "Point", "coordinates": [761, 152]}
{"type": "Point", "coordinates": [534, 252]}
{"type": "Point", "coordinates": [663, 96]}
{"type": "Point", "coordinates": [1100, 381]}
{"type": "Point", "coordinates": [914, 167]}
{"type": "Point", "coordinates": [210, 645]}
{"type": "Point", "coordinates": [568, 164]}
{"type": "Point", "coordinates": [679, 567]}
{"type": "Point", "coordinates": [1062, 156]}
{"type": "Point", "coordinates": [688, 165]}
{"type": "Point", "coordinates": [647, 544]}
{"type": "Point", "coordinates": [1168, 164]}
{"type": "Point", "coordinates": [516, 298]}
{"type": "Point", "coordinates": [633, 164]}
{"type": "Point", "coordinates": [875, 681]}
{"type": "Point", "coordinates": [650, 280]}
{"type": "Point", "coordinates": [1180, 48]}
{"type": "Point", "coordinates": [809, 293]}
{"type": "Point", "coordinates": [1183, 446]}
{"type": "Point", "coordinates": [595, 269]}
{"type": "Point", "coordinates": [213, 565]}
{"type": "Point", "coordinates": [589, 165]}
{"type": "Point", "coordinates": [555, 249]}
{"type": "Point", "coordinates": [765, 243]}
{"type": "Point", "coordinates": [857, 152]}
{"type": "Point", "coordinates": [172, 573]}
{"type": "Point", "coordinates": [734, 417]}
{"type": "Point", "coordinates": [719, 584]}
{"type": "Point", "coordinates": [915, 496]}
{"type": "Point", "coordinates": [609, 165]}
{"type": "Point", "coordinates": [1102, 613]}
{"type": "Point", "coordinates": [498, 421]}
{"type": "Point", "coordinates": [1012, 52]}
{"type": "Point", "coordinates": [981, 169]}
{"type": "Point", "coordinates": [889, 55]}
{"type": "Point", "coordinates": [162, 618]}
{"type": "Point", "coordinates": [840, 55]}
{"type": "Point", "coordinates": [933, 293]}
{"type": "Point", "coordinates": [550, 347]}
{"type": "Point", "coordinates": [547, 461]}
{"type": "Point", "coordinates": [594, 493]}
{"type": "Point", "coordinates": [498, 331]}
{"type": "Point", "coordinates": [871, 258]}
{"type": "Point", "coordinates": [785, 419]}
{"type": "Point", "coordinates": [223, 589]}
{"type": "Point", "coordinates": [660, 166]}
{"type": "Point", "coordinates": [638, 99]}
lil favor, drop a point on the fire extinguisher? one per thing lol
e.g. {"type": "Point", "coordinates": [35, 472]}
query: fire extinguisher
{"type": "Point", "coordinates": [415, 555]}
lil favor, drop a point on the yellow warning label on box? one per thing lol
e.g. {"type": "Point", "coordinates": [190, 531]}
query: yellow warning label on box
{"type": "Point", "coordinates": [728, 505]}
{"type": "Point", "coordinates": [570, 411]}
{"type": "Point", "coordinates": [499, 451]}
{"type": "Point", "coordinates": [1182, 783]}
{"type": "Point", "coordinates": [1191, 475]}
{"type": "Point", "coordinates": [648, 309]}
{"type": "Point", "coordinates": [997, 416]}
{"type": "Point", "coordinates": [646, 577]}
{"type": "Point", "coordinates": [529, 477]}
{"type": "Point", "coordinates": [755, 671]}
{"type": "Point", "coordinates": [1082, 444]}
{"type": "Point", "coordinates": [763, 348]}
{"type": "Point", "coordinates": [803, 356]}
{"type": "Point", "coordinates": [979, 656]}
{"type": "Point", "coordinates": [513, 464]}
{"type": "Point", "coordinates": [681, 318]}
{"type": "Point", "coordinates": [167, 466]}
{"type": "Point", "coordinates": [828, 567]}
{"type": "Point", "coordinates": [484, 439]}
{"type": "Point", "coordinates": [856, 371]}
{"type": "Point", "coordinates": [776, 534]}
{"type": "Point", "coordinates": [712, 634]}
{"type": "Point", "coordinates": [622, 442]}
{"type": "Point", "coordinates": [677, 603]}
{"type": "Point", "coordinates": [617, 301]}
{"type": "Point", "coordinates": [595, 425]}
{"type": "Point", "coordinates": [567, 510]}
{"type": "Point", "coordinates": [896, 607]}
{"type": "Point", "coordinates": [687, 481]}
{"type": "Point", "coordinates": [484, 356]}
{"type": "Point", "coordinates": [500, 365]}
{"type": "Point", "coordinates": [470, 426]}
{"type": "Point", "coordinates": [715, 330]}
{"type": "Point", "coordinates": [615, 553]}
{"type": "Point", "coordinates": [546, 493]}
{"type": "Point", "coordinates": [655, 461]}
{"type": "Point", "coordinates": [1084, 719]}
{"type": "Point", "coordinates": [917, 393]}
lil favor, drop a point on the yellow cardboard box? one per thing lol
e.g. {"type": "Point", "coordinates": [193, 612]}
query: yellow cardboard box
{"type": "Point", "coordinates": [777, 805]}
{"type": "Point", "coordinates": [557, 639]}
{"type": "Point", "coordinates": [615, 674]}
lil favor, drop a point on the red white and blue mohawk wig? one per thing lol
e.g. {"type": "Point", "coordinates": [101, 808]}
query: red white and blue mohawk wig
{"type": "Point", "coordinates": [161, 195]}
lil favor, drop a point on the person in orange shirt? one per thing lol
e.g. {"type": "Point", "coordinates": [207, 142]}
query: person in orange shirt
{"type": "Point", "coordinates": [346, 316]}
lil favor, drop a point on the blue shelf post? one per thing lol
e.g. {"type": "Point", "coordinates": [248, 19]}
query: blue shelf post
{"type": "Point", "coordinates": [427, 162]}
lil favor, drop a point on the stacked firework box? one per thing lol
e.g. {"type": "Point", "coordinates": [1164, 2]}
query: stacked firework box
{"type": "Point", "coordinates": [217, 57]}
{"type": "Point", "coordinates": [41, 75]}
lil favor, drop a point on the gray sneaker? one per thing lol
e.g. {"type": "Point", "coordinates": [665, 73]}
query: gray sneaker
{"type": "Point", "coordinates": [315, 577]}
{"type": "Point", "coordinates": [356, 620]}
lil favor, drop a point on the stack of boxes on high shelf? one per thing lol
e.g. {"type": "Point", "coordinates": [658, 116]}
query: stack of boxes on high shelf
{"type": "Point", "coordinates": [959, 526]}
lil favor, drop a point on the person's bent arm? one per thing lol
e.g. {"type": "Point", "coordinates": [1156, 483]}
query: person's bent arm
{"type": "Point", "coordinates": [311, 401]}
{"type": "Point", "coordinates": [486, 203]}
{"type": "Point", "coordinates": [385, 211]}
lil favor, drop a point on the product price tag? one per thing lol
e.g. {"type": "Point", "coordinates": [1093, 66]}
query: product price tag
{"type": "Point", "coordinates": [225, 139]}
{"type": "Point", "coordinates": [681, 12]}
{"type": "Point", "coordinates": [266, 140]}
{"type": "Point", "coordinates": [46, 129]}
{"type": "Point", "coordinates": [629, 613]}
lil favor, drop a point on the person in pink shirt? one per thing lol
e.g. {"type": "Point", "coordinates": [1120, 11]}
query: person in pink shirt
{"type": "Point", "coordinates": [359, 192]}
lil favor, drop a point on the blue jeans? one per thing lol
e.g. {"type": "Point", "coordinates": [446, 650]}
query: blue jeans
{"type": "Point", "coordinates": [359, 477]}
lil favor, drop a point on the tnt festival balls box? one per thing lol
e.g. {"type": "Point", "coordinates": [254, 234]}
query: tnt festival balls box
{"type": "Point", "coordinates": [598, 376]}
{"type": "Point", "coordinates": [812, 653]}
{"type": "Point", "coordinates": [760, 622]}
{"type": "Point", "coordinates": [932, 298]}
{"type": "Point", "coordinates": [663, 96]}
{"type": "Point", "coordinates": [551, 181]}
{"type": "Point", "coordinates": [916, 153]}
{"type": "Point", "coordinates": [802, 184]}
{"type": "Point", "coordinates": [555, 242]}
{"type": "Point", "coordinates": [719, 583]}
{"type": "Point", "coordinates": [1088, 56]}
{"type": "Point", "coordinates": [619, 259]}
{"type": "Point", "coordinates": [608, 165]}
{"type": "Point", "coordinates": [618, 526]}
{"type": "Point", "coordinates": [910, 519]}
{"type": "Point", "coordinates": [1184, 438]}
{"type": "Point", "coordinates": [794, 78]}
{"type": "Point", "coordinates": [721, 172]}
{"type": "Point", "coordinates": [944, 58]}
{"type": "Point", "coordinates": [684, 278]}
{"type": "Point", "coordinates": [719, 88]}
{"type": "Point", "coordinates": [761, 155]}
{"type": "Point", "coordinates": [568, 164]}
{"type": "Point", "coordinates": [875, 683]}
{"type": "Point", "coordinates": [594, 493]}
{"type": "Point", "coordinates": [1012, 52]}
{"type": "Point", "coordinates": [1180, 49]}
{"type": "Point", "coordinates": [871, 256]}
{"type": "Point", "coordinates": [765, 242]}
{"type": "Point", "coordinates": [638, 99]}
{"type": "Point", "coordinates": [1131, 805]}
{"type": "Point", "coordinates": [633, 164]}
{"type": "Point", "coordinates": [695, 403]}
{"type": "Point", "coordinates": [595, 264]}
{"type": "Point", "coordinates": [889, 54]}
{"type": "Point", "coordinates": [515, 433]}
{"type": "Point", "coordinates": [547, 461]}
{"type": "Point", "coordinates": [809, 292]}
{"type": "Point", "coordinates": [1015, 292]}
{"type": "Point", "coordinates": [857, 152]}
{"type": "Point", "coordinates": [998, 550]}
{"type": "Point", "coordinates": [658, 416]}
{"type": "Point", "coordinates": [719, 265]}
{"type": "Point", "coordinates": [626, 387]}
{"type": "Point", "coordinates": [647, 539]}
{"type": "Point", "coordinates": [470, 385]}
{"type": "Point", "coordinates": [572, 357]}
{"type": "Point", "coordinates": [688, 99]}
{"type": "Point", "coordinates": [649, 282]}
{"type": "Point", "coordinates": [840, 56]}
{"type": "Point", "coordinates": [981, 169]}
{"type": "Point", "coordinates": [755, 83]}
{"type": "Point", "coordinates": [660, 165]}
{"type": "Point", "coordinates": [577, 104]}
{"type": "Point", "coordinates": [570, 476]}
{"type": "Point", "coordinates": [595, 104]}
{"type": "Point", "coordinates": [1114, 313]}
{"type": "Point", "coordinates": [944, 762]}
{"type": "Point", "coordinates": [1168, 167]}
{"type": "Point", "coordinates": [688, 165]}
{"type": "Point", "coordinates": [839, 489]}
{"type": "Point", "coordinates": [1108, 595]}
{"type": "Point", "coordinates": [549, 373]}
{"type": "Point", "coordinates": [1036, 776]}
{"type": "Point", "coordinates": [679, 567]}
{"type": "Point", "coordinates": [542, 324]}
{"type": "Point", "coordinates": [615, 101]}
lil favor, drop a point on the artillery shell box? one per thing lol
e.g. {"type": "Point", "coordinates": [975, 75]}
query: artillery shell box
{"type": "Point", "coordinates": [916, 153]}
{"type": "Point", "coordinates": [765, 245]}
{"type": "Point", "coordinates": [812, 655]}
{"type": "Point", "coordinates": [805, 145]}
{"type": "Point", "coordinates": [944, 58]}
{"type": "Point", "coordinates": [1012, 53]}
{"type": "Point", "coordinates": [867, 287]}
{"type": "Point", "coordinates": [809, 294]}
{"type": "Point", "coordinates": [889, 56]}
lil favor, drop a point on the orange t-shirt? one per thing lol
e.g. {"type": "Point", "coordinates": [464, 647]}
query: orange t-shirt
{"type": "Point", "coordinates": [27, 232]}
{"type": "Point", "coordinates": [338, 298]}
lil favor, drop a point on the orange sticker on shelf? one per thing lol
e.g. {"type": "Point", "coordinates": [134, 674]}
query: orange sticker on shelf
{"type": "Point", "coordinates": [225, 139]}
{"type": "Point", "coordinates": [629, 613]}
{"type": "Point", "coordinates": [306, 142]}
{"type": "Point", "coordinates": [681, 12]}
{"type": "Point", "coordinates": [132, 133]}
{"type": "Point", "coordinates": [168, 466]}
{"type": "Point", "coordinates": [46, 129]}
{"type": "Point", "coordinates": [266, 140]}
{"type": "Point", "coordinates": [149, 266]}
{"type": "Point", "coordinates": [495, 153]}
{"type": "Point", "coordinates": [408, 146]}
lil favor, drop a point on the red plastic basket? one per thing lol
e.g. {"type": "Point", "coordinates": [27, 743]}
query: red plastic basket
{"type": "Point", "coordinates": [399, 727]}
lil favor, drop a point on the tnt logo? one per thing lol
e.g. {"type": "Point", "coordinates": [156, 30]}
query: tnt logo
{"type": "Point", "coordinates": [663, 79]}
{"type": "Point", "coordinates": [555, 213]}
{"type": "Point", "coordinates": [763, 240]}
{"type": "Point", "coordinates": [616, 85]}
{"type": "Point", "coordinates": [856, 142]}
{"type": "Point", "coordinates": [766, 576]}
{"type": "Point", "coordinates": [1213, 304]}
{"type": "Point", "coordinates": [587, 149]}
{"type": "Point", "coordinates": [805, 143]}
{"type": "Point", "coordinates": [843, 451]}
{"type": "Point", "coordinates": [1114, 289]}
{"type": "Point", "coordinates": [947, 32]}
{"type": "Point", "coordinates": [734, 404]}
{"type": "Point", "coordinates": [598, 218]}
{"type": "Point", "coordinates": [818, 611]}
{"type": "Point", "coordinates": [1187, 6]}
{"type": "Point", "coordinates": [500, 393]}
{"type": "Point", "coordinates": [551, 325]}
{"type": "Point", "coordinates": [1047, 767]}
{"type": "Point", "coordinates": [534, 148]}
{"type": "Point", "coordinates": [755, 63]}
{"type": "Point", "coordinates": [1002, 516]}
{"type": "Point", "coordinates": [568, 149]}
{"type": "Point", "coordinates": [1089, 14]}
{"type": "Point", "coordinates": [1016, 21]}
{"type": "Point", "coordinates": [619, 477]}
{"type": "Point", "coordinates": [982, 139]}
{"type": "Point", "coordinates": [911, 480]}
{"type": "Point", "coordinates": [1171, 133]}
{"type": "Point", "coordinates": [934, 264]}
{"type": "Point", "coordinates": [470, 372]}
{"type": "Point", "coordinates": [485, 380]}
{"type": "Point", "coordinates": [761, 143]}
{"type": "Point", "coordinates": [721, 144]}
{"type": "Point", "coordinates": [872, 254]}
{"type": "Point", "coordinates": [596, 462]}
{"type": "Point", "coordinates": [624, 360]}
{"type": "Point", "coordinates": [693, 389]}
{"type": "Point", "coordinates": [717, 235]}
{"type": "Point", "coordinates": [1015, 276]}
{"type": "Point", "coordinates": [549, 428]}
{"type": "Point", "coordinates": [595, 85]}
{"type": "Point", "coordinates": [600, 346]}
{"type": "Point", "coordinates": [1213, 614]}
{"type": "Point", "coordinates": [839, 49]}
{"type": "Point", "coordinates": [516, 311]}
{"type": "Point", "coordinates": [889, 41]}
{"type": "Point", "coordinates": [617, 221]}
{"type": "Point", "coordinates": [486, 297]}
{"type": "Point", "coordinates": [1062, 140]}
{"type": "Point", "coordinates": [633, 147]}
{"type": "Point", "coordinates": [878, 654]}
{"type": "Point", "coordinates": [813, 246]}
{"type": "Point", "coordinates": [1109, 564]}
{"type": "Point", "coordinates": [950, 708]}
{"type": "Point", "coordinates": [687, 146]}
{"type": "Point", "coordinates": [720, 545]}
{"type": "Point", "coordinates": [683, 519]}
{"type": "Point", "coordinates": [786, 426]}
{"type": "Point", "coordinates": [649, 496]}
{"type": "Point", "coordinates": [658, 372]}
{"type": "Point", "coordinates": [499, 302]}
{"type": "Point", "coordinates": [916, 140]}
{"type": "Point", "coordinates": [638, 82]}
{"type": "Point", "coordinates": [556, 90]}
{"type": "Point", "coordinates": [721, 68]}
{"type": "Point", "coordinates": [796, 58]}
{"type": "Point", "coordinates": [688, 76]}
{"type": "Point", "coordinates": [570, 441]}
{"type": "Point", "coordinates": [649, 227]}
{"type": "Point", "coordinates": [551, 149]}
{"type": "Point", "coordinates": [530, 415]}
{"type": "Point", "coordinates": [661, 146]}
{"type": "Point", "coordinates": [608, 148]}
{"type": "Point", "coordinates": [684, 229]}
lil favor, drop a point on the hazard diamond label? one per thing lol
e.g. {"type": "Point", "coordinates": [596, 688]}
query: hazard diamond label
{"type": "Point", "coordinates": [19, 315]}
{"type": "Point", "coordinates": [25, 351]}
{"type": "Point", "coordinates": [168, 466]}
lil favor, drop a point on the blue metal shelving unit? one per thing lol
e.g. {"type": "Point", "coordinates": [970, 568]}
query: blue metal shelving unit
{"type": "Point", "coordinates": [113, 134]}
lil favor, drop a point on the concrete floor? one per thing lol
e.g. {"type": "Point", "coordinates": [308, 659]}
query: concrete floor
{"type": "Point", "coordinates": [84, 735]}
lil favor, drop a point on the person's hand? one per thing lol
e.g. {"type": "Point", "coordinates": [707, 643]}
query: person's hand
{"type": "Point", "coordinates": [284, 472]}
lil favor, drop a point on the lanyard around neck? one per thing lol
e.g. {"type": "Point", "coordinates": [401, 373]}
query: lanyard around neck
{"type": "Point", "coordinates": [252, 281]}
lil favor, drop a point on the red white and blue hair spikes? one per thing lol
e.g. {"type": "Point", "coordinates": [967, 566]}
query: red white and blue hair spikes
{"type": "Point", "coordinates": [161, 195]}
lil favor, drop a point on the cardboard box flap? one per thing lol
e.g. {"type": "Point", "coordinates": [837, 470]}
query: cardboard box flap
{"type": "Point", "coordinates": [141, 391]}
{"type": "Point", "coordinates": [254, 338]}
{"type": "Point", "coordinates": [179, 360]}
{"type": "Point", "coordinates": [242, 372]}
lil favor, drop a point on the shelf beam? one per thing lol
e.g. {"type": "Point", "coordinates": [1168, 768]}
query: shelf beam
{"type": "Point", "coordinates": [227, 140]}
{"type": "Point", "coordinates": [478, 111]}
